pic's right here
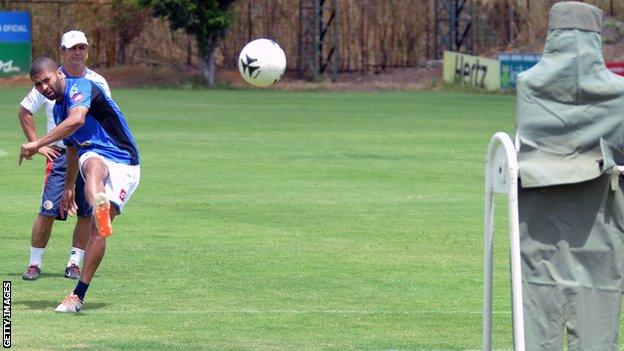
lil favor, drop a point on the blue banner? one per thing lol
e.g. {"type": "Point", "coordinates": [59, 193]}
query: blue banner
{"type": "Point", "coordinates": [15, 27]}
{"type": "Point", "coordinates": [512, 64]}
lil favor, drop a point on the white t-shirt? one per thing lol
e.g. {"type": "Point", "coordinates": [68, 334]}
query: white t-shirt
{"type": "Point", "coordinates": [35, 100]}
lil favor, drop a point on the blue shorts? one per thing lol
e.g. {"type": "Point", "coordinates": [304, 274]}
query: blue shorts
{"type": "Point", "coordinates": [53, 190]}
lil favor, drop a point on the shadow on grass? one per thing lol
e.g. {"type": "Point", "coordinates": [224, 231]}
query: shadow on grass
{"type": "Point", "coordinates": [47, 305]}
{"type": "Point", "coordinates": [51, 275]}
{"type": "Point", "coordinates": [43, 275]}
{"type": "Point", "coordinates": [11, 276]}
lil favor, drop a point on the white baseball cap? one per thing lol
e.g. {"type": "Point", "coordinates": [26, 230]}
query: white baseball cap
{"type": "Point", "coordinates": [72, 38]}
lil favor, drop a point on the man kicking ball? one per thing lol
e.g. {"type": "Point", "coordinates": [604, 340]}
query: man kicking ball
{"type": "Point", "coordinates": [100, 146]}
{"type": "Point", "coordinates": [74, 51]}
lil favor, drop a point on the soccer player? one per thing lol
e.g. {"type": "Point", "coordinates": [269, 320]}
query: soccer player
{"type": "Point", "coordinates": [100, 146]}
{"type": "Point", "coordinates": [74, 52]}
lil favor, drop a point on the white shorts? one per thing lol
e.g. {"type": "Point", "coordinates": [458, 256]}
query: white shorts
{"type": "Point", "coordinates": [122, 179]}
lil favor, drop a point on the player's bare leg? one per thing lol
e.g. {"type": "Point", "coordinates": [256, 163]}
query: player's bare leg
{"type": "Point", "coordinates": [96, 173]}
{"type": "Point", "coordinates": [82, 232]}
{"type": "Point", "coordinates": [95, 251]}
{"type": "Point", "coordinates": [79, 243]}
{"type": "Point", "coordinates": [42, 227]}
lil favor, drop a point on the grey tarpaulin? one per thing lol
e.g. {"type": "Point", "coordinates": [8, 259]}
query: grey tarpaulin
{"type": "Point", "coordinates": [570, 121]}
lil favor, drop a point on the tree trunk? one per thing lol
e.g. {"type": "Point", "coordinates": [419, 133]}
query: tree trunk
{"type": "Point", "coordinates": [121, 53]}
{"type": "Point", "coordinates": [189, 52]}
{"type": "Point", "coordinates": [364, 36]}
{"type": "Point", "coordinates": [250, 22]}
{"type": "Point", "coordinates": [208, 68]}
{"type": "Point", "coordinates": [111, 49]}
{"type": "Point", "coordinates": [611, 11]}
{"type": "Point", "coordinates": [208, 59]}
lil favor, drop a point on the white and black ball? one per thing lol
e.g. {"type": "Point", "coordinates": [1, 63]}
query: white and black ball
{"type": "Point", "coordinates": [262, 62]}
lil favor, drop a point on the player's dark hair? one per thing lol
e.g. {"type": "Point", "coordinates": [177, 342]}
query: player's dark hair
{"type": "Point", "coordinates": [43, 64]}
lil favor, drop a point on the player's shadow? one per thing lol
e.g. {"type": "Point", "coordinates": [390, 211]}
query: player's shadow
{"type": "Point", "coordinates": [51, 275]}
{"type": "Point", "coordinates": [47, 305]}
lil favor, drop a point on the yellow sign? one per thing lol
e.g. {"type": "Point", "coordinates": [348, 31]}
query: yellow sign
{"type": "Point", "coordinates": [474, 71]}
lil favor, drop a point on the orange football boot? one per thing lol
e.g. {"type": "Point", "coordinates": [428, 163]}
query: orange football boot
{"type": "Point", "coordinates": [101, 212]}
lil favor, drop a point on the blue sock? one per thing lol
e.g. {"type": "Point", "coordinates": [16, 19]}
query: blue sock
{"type": "Point", "coordinates": [81, 290]}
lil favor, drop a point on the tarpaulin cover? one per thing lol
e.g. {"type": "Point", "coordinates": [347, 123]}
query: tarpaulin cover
{"type": "Point", "coordinates": [570, 120]}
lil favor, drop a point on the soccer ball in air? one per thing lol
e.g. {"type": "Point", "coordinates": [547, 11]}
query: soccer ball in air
{"type": "Point", "coordinates": [262, 62]}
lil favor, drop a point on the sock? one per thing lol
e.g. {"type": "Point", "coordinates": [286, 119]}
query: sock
{"type": "Point", "coordinates": [75, 256]}
{"type": "Point", "coordinates": [81, 290]}
{"type": "Point", "coordinates": [36, 256]}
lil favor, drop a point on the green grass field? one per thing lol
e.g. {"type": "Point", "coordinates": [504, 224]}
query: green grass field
{"type": "Point", "coordinates": [273, 220]}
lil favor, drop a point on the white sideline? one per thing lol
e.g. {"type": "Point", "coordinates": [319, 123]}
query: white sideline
{"type": "Point", "coordinates": [252, 311]}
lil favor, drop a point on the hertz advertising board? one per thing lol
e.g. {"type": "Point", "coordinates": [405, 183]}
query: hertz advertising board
{"type": "Point", "coordinates": [15, 44]}
{"type": "Point", "coordinates": [474, 71]}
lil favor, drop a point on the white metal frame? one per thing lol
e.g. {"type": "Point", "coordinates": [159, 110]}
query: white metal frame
{"type": "Point", "coordinates": [501, 176]}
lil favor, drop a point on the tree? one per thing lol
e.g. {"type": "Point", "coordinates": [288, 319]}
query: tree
{"type": "Point", "coordinates": [206, 19]}
{"type": "Point", "coordinates": [128, 21]}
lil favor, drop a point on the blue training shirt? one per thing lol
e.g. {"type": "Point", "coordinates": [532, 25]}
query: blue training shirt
{"type": "Point", "coordinates": [105, 130]}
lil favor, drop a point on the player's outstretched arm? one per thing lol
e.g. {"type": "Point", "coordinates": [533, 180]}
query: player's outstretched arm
{"type": "Point", "coordinates": [30, 132]}
{"type": "Point", "coordinates": [74, 120]}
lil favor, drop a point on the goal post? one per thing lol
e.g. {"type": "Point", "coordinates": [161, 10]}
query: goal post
{"type": "Point", "coordinates": [501, 176]}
